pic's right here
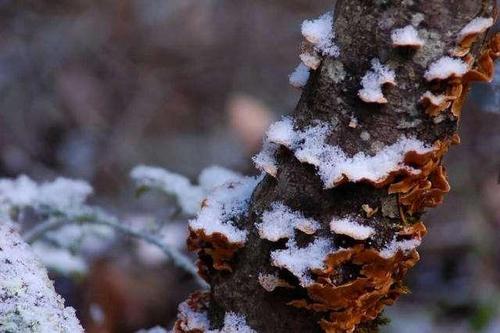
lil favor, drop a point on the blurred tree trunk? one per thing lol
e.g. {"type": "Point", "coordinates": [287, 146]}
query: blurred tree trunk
{"type": "Point", "coordinates": [351, 295]}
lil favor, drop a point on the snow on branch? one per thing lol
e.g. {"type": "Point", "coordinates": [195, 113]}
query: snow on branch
{"type": "Point", "coordinates": [29, 302]}
{"type": "Point", "coordinates": [188, 195]}
{"type": "Point", "coordinates": [446, 67]}
{"type": "Point", "coordinates": [320, 33]}
{"type": "Point", "coordinates": [223, 206]}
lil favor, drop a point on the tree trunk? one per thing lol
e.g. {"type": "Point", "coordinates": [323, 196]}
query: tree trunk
{"type": "Point", "coordinates": [361, 274]}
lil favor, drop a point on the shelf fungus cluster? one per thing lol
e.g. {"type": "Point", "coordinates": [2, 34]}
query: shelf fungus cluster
{"type": "Point", "coordinates": [336, 261]}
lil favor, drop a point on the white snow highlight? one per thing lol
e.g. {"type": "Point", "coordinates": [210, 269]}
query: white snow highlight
{"type": "Point", "coordinates": [280, 222]}
{"type": "Point", "coordinates": [446, 67]}
{"type": "Point", "coordinates": [266, 160]}
{"type": "Point", "coordinates": [320, 33]}
{"type": "Point", "coordinates": [349, 227]}
{"type": "Point", "coordinates": [373, 81]}
{"type": "Point", "coordinates": [299, 261]}
{"type": "Point", "coordinates": [476, 26]}
{"type": "Point", "coordinates": [405, 246]}
{"type": "Point", "coordinates": [224, 205]}
{"type": "Point", "coordinates": [300, 76]}
{"type": "Point", "coordinates": [406, 37]}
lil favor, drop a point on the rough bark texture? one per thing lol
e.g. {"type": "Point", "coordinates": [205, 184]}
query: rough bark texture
{"type": "Point", "coordinates": [363, 31]}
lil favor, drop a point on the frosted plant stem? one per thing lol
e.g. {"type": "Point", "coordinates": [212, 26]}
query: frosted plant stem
{"type": "Point", "coordinates": [177, 258]}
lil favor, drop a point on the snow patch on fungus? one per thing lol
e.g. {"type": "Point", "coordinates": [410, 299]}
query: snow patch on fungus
{"type": "Point", "coordinates": [224, 205]}
{"type": "Point", "coordinates": [406, 37]}
{"type": "Point", "coordinates": [310, 146]}
{"type": "Point", "coordinates": [299, 76]}
{"type": "Point", "coordinates": [394, 246]}
{"type": "Point", "coordinates": [446, 67]}
{"type": "Point", "coordinates": [373, 81]}
{"type": "Point", "coordinates": [215, 176]}
{"type": "Point", "coordinates": [265, 160]}
{"type": "Point", "coordinates": [272, 281]}
{"type": "Point", "coordinates": [29, 302]}
{"type": "Point", "coordinates": [299, 261]}
{"type": "Point", "coordinates": [350, 227]}
{"type": "Point", "coordinates": [474, 27]}
{"type": "Point", "coordinates": [435, 100]}
{"type": "Point", "coordinates": [280, 222]}
{"type": "Point", "coordinates": [320, 33]}
{"type": "Point", "coordinates": [310, 60]}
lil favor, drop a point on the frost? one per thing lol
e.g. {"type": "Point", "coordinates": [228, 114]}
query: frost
{"type": "Point", "coordinates": [407, 36]}
{"type": "Point", "coordinates": [59, 259]}
{"type": "Point", "coordinates": [29, 302]}
{"type": "Point", "coordinates": [280, 222]}
{"type": "Point", "coordinates": [188, 195]}
{"type": "Point", "coordinates": [299, 261]}
{"type": "Point", "coordinates": [224, 205]}
{"type": "Point", "coordinates": [373, 81]}
{"type": "Point", "coordinates": [320, 33]}
{"type": "Point", "coordinates": [476, 26]}
{"type": "Point", "coordinates": [349, 227]}
{"type": "Point", "coordinates": [446, 67]}
{"type": "Point", "coordinates": [300, 76]}
{"type": "Point", "coordinates": [405, 245]}
{"type": "Point", "coordinates": [266, 160]}
{"type": "Point", "coordinates": [60, 194]}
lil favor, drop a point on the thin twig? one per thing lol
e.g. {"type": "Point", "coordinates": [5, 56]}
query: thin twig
{"type": "Point", "coordinates": [100, 218]}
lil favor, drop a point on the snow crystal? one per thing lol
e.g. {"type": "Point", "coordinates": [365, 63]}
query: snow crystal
{"type": "Point", "coordinates": [373, 81]}
{"type": "Point", "coordinates": [29, 301]}
{"type": "Point", "coordinates": [300, 260]}
{"type": "Point", "coordinates": [349, 227]}
{"type": "Point", "coordinates": [61, 194]}
{"type": "Point", "coordinates": [300, 76]}
{"type": "Point", "coordinates": [59, 259]}
{"type": "Point", "coordinates": [280, 222]}
{"type": "Point", "coordinates": [446, 67]}
{"type": "Point", "coordinates": [320, 33]}
{"type": "Point", "coordinates": [222, 206]}
{"type": "Point", "coordinates": [405, 245]}
{"type": "Point", "coordinates": [476, 26]}
{"type": "Point", "coordinates": [266, 160]}
{"type": "Point", "coordinates": [407, 36]}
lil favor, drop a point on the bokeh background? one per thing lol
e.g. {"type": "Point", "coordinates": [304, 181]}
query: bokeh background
{"type": "Point", "coordinates": [91, 88]}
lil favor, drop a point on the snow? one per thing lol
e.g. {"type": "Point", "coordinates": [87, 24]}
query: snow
{"type": "Point", "coordinates": [446, 67]}
{"type": "Point", "coordinates": [434, 99]}
{"type": "Point", "coordinates": [188, 195]}
{"type": "Point", "coordinates": [476, 26]}
{"type": "Point", "coordinates": [29, 301]}
{"type": "Point", "coordinates": [280, 222]}
{"type": "Point", "coordinates": [61, 194]}
{"type": "Point", "coordinates": [320, 33]}
{"type": "Point", "coordinates": [59, 259]}
{"type": "Point", "coordinates": [265, 160]}
{"type": "Point", "coordinates": [198, 321]}
{"type": "Point", "coordinates": [332, 163]}
{"type": "Point", "coordinates": [373, 81]}
{"type": "Point", "coordinates": [156, 329]}
{"type": "Point", "coordinates": [350, 227]}
{"type": "Point", "coordinates": [299, 261]}
{"type": "Point", "coordinates": [300, 76]}
{"type": "Point", "coordinates": [282, 132]}
{"type": "Point", "coordinates": [407, 36]}
{"type": "Point", "coordinates": [394, 246]}
{"type": "Point", "coordinates": [224, 205]}
{"type": "Point", "coordinates": [309, 60]}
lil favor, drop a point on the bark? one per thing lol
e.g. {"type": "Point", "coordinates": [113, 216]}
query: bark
{"type": "Point", "coordinates": [363, 31]}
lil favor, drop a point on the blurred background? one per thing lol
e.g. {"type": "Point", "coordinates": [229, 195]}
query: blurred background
{"type": "Point", "coordinates": [91, 88]}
